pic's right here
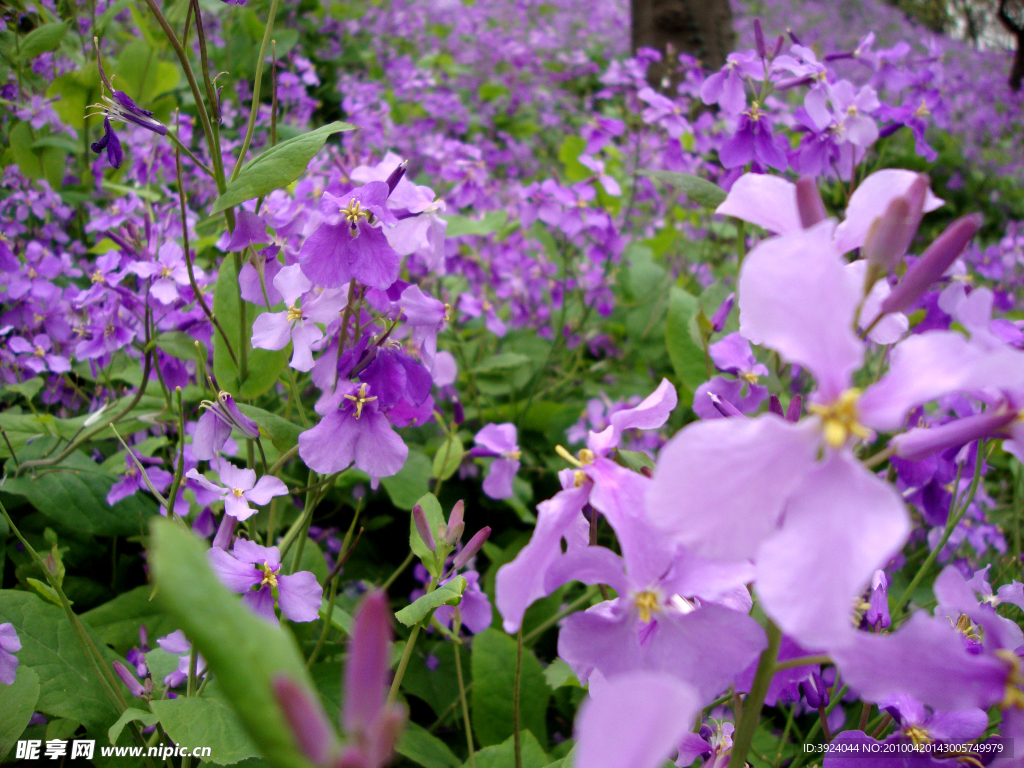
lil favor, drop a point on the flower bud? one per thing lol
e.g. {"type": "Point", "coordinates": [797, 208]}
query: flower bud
{"type": "Point", "coordinates": [795, 408]}
{"type": "Point", "coordinates": [455, 523]}
{"type": "Point", "coordinates": [882, 245]}
{"type": "Point", "coordinates": [933, 263]}
{"type": "Point", "coordinates": [423, 527]}
{"type": "Point", "coordinates": [775, 406]}
{"type": "Point", "coordinates": [920, 443]}
{"type": "Point", "coordinates": [310, 726]}
{"type": "Point", "coordinates": [396, 176]}
{"type": "Point", "coordinates": [759, 40]}
{"type": "Point", "coordinates": [225, 533]}
{"type": "Point", "coordinates": [722, 313]}
{"type": "Point", "coordinates": [458, 414]}
{"type": "Point", "coordinates": [472, 547]}
{"type": "Point", "coordinates": [136, 688]}
{"type": "Point", "coordinates": [815, 691]}
{"type": "Point", "coordinates": [809, 203]}
{"type": "Point", "coordinates": [781, 41]}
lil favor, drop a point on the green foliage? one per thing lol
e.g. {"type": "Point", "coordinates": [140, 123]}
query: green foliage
{"type": "Point", "coordinates": [689, 358]}
{"type": "Point", "coordinates": [209, 722]}
{"type": "Point", "coordinates": [699, 190]}
{"type": "Point", "coordinates": [423, 748]}
{"type": "Point", "coordinates": [494, 667]}
{"type": "Point", "coordinates": [446, 594]}
{"type": "Point", "coordinates": [17, 703]}
{"type": "Point", "coordinates": [503, 755]}
{"type": "Point", "coordinates": [435, 519]}
{"type": "Point", "coordinates": [411, 482]}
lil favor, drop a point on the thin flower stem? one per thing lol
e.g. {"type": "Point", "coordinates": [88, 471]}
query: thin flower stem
{"type": "Point", "coordinates": [878, 458]}
{"type": "Point", "coordinates": [283, 459]}
{"type": "Point", "coordinates": [462, 692]}
{"type": "Point", "coordinates": [178, 145]}
{"type": "Point", "coordinates": [744, 735]}
{"type": "Point", "coordinates": [516, 741]}
{"type": "Point", "coordinates": [823, 722]}
{"type": "Point", "coordinates": [402, 664]}
{"type": "Point", "coordinates": [211, 94]}
{"type": "Point", "coordinates": [785, 735]}
{"type": "Point", "coordinates": [10, 448]}
{"type": "Point", "coordinates": [802, 661]}
{"type": "Point", "coordinates": [257, 82]}
{"type": "Point", "coordinates": [398, 571]}
{"type": "Point", "coordinates": [813, 732]}
{"type": "Point", "coordinates": [956, 512]}
{"type": "Point", "coordinates": [273, 93]}
{"type": "Point", "coordinates": [179, 472]}
{"type": "Point", "coordinates": [572, 607]}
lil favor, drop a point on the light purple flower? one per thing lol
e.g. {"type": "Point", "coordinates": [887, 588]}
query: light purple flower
{"type": "Point", "coordinates": [498, 440]}
{"type": "Point", "coordinates": [9, 644]}
{"type": "Point", "coordinates": [169, 270]}
{"type": "Point", "coordinates": [215, 424]}
{"type": "Point", "coordinates": [726, 87]}
{"type": "Point", "coordinates": [249, 565]}
{"type": "Point", "coordinates": [240, 487]}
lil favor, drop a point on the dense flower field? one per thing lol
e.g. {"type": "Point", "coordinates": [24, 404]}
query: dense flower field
{"type": "Point", "coordinates": [417, 383]}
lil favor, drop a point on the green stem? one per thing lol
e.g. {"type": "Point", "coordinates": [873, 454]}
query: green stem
{"type": "Point", "coordinates": [257, 82]}
{"type": "Point", "coordinates": [572, 607]}
{"type": "Point", "coordinates": [803, 661]}
{"type": "Point", "coordinates": [462, 694]}
{"type": "Point", "coordinates": [517, 743]}
{"type": "Point", "coordinates": [402, 664]}
{"type": "Point", "coordinates": [744, 735]}
{"type": "Point", "coordinates": [398, 571]}
{"type": "Point", "coordinates": [180, 471]}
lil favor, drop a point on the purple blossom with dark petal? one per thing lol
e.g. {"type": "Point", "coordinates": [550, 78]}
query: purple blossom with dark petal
{"type": "Point", "coordinates": [753, 142]}
{"type": "Point", "coordinates": [215, 425]}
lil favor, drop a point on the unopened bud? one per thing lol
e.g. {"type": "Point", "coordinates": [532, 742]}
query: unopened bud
{"type": "Point", "coordinates": [722, 313]}
{"type": "Point", "coordinates": [455, 523]}
{"type": "Point", "coordinates": [933, 263]}
{"type": "Point", "coordinates": [883, 245]}
{"type": "Point", "coordinates": [136, 688]}
{"type": "Point", "coordinates": [775, 406]}
{"type": "Point", "coordinates": [423, 527]}
{"type": "Point", "coordinates": [759, 40]}
{"type": "Point", "coordinates": [808, 202]}
{"type": "Point", "coordinates": [795, 408]}
{"type": "Point", "coordinates": [225, 532]}
{"type": "Point", "coordinates": [472, 547]}
{"type": "Point", "coordinates": [778, 45]}
{"type": "Point", "coordinates": [310, 726]}
{"type": "Point", "coordinates": [396, 176]}
{"type": "Point", "coordinates": [458, 414]}
{"type": "Point", "coordinates": [724, 407]}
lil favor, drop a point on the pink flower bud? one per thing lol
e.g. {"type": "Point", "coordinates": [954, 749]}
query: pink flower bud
{"type": "Point", "coordinates": [310, 726]}
{"type": "Point", "coordinates": [808, 202]}
{"type": "Point", "coordinates": [472, 547]}
{"type": "Point", "coordinates": [455, 523]}
{"type": "Point", "coordinates": [423, 527]}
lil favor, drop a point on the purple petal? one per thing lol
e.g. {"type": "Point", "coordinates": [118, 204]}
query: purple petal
{"type": "Point", "coordinates": [175, 643]}
{"type": "Point", "coordinates": [250, 552]}
{"type": "Point", "coordinates": [299, 596]}
{"type": "Point", "coordinates": [500, 438]}
{"type": "Point", "coordinates": [210, 435]}
{"type": "Point", "coordinates": [765, 200]}
{"type": "Point", "coordinates": [498, 483]}
{"type": "Point", "coordinates": [870, 200]}
{"type": "Point", "coordinates": [310, 725]}
{"type": "Point", "coordinates": [652, 413]}
{"type": "Point", "coordinates": [366, 668]}
{"type": "Point", "coordinates": [249, 229]}
{"type": "Point", "coordinates": [266, 488]}
{"type": "Point", "coordinates": [261, 602]}
{"type": "Point", "coordinates": [324, 255]}
{"type": "Point", "coordinates": [236, 576]}
{"type": "Point", "coordinates": [590, 565]}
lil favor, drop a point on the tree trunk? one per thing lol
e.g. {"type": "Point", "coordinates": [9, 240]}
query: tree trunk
{"type": "Point", "coordinates": [701, 28]}
{"type": "Point", "coordinates": [1011, 15]}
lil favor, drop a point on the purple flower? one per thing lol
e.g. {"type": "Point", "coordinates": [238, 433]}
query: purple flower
{"type": "Point", "coordinates": [732, 354]}
{"type": "Point", "coordinates": [273, 330]}
{"type": "Point", "coordinates": [753, 142]}
{"type": "Point", "coordinates": [119, 106]}
{"type": "Point", "coordinates": [133, 481]}
{"type": "Point", "coordinates": [426, 317]}
{"type": "Point", "coordinates": [249, 565]}
{"type": "Point", "coordinates": [472, 307]}
{"type": "Point", "coordinates": [178, 645]}
{"type": "Point", "coordinates": [498, 440]}
{"type": "Point", "coordinates": [9, 644]}
{"type": "Point", "coordinates": [346, 246]}
{"type": "Point", "coordinates": [109, 142]}
{"type": "Point", "coordinates": [353, 430]}
{"type": "Point", "coordinates": [240, 488]}
{"type": "Point", "coordinates": [37, 356]}
{"type": "Point", "coordinates": [726, 87]}
{"type": "Point", "coordinates": [215, 425]}
{"type": "Point", "coordinates": [169, 270]}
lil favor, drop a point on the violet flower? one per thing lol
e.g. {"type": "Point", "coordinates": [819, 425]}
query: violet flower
{"type": "Point", "coordinates": [214, 426]}
{"type": "Point", "coordinates": [178, 645]}
{"type": "Point", "coordinates": [753, 142]}
{"type": "Point", "coordinates": [726, 87]}
{"type": "Point", "coordinates": [346, 246]}
{"type": "Point", "coordinates": [249, 565]}
{"type": "Point", "coordinates": [240, 487]}
{"type": "Point", "coordinates": [169, 270]}
{"type": "Point", "coordinates": [273, 330]}
{"type": "Point", "coordinates": [498, 440]}
{"type": "Point", "coordinates": [132, 481]}
{"type": "Point", "coordinates": [119, 106]}
{"type": "Point", "coordinates": [9, 644]}
{"type": "Point", "coordinates": [732, 354]}
{"type": "Point", "coordinates": [37, 356]}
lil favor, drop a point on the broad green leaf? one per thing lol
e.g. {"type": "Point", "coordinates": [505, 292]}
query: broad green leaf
{"type": "Point", "coordinates": [636, 460]}
{"type": "Point", "coordinates": [76, 90]}
{"type": "Point", "coordinates": [109, 14]}
{"type": "Point", "coordinates": [446, 594]}
{"type": "Point", "coordinates": [42, 39]}
{"type": "Point", "coordinates": [565, 762]}
{"type": "Point", "coordinates": [504, 756]}
{"type": "Point", "coordinates": [448, 457]}
{"type": "Point", "coordinates": [206, 722]}
{"type": "Point", "coordinates": [438, 685]}
{"type": "Point", "coordinates": [506, 361]}
{"type": "Point", "coordinates": [424, 748]}
{"type": "Point", "coordinates": [340, 619]}
{"type": "Point", "coordinates": [283, 434]}
{"type": "Point", "coordinates": [701, 191]}
{"type": "Point", "coordinates": [558, 674]}
{"type": "Point", "coordinates": [688, 358]}
{"type": "Point", "coordinates": [141, 73]}
{"type": "Point", "coordinates": [67, 682]}
{"type": "Point", "coordinates": [117, 622]}
{"type": "Point", "coordinates": [411, 482]}
{"type": "Point", "coordinates": [264, 366]}
{"type": "Point", "coordinates": [181, 345]}
{"type": "Point", "coordinates": [130, 715]}
{"type": "Point", "coordinates": [569, 153]}
{"type": "Point", "coordinates": [435, 519]}
{"type": "Point", "coordinates": [494, 669]}
{"type": "Point", "coordinates": [244, 651]}
{"type": "Point", "coordinates": [20, 138]}
{"type": "Point", "coordinates": [161, 663]}
{"type": "Point", "coordinates": [278, 167]}
{"type": "Point", "coordinates": [74, 494]}
{"type": "Point", "coordinates": [17, 703]}
{"type": "Point", "coordinates": [488, 225]}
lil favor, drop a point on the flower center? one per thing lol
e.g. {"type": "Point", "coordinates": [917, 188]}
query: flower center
{"type": "Point", "coordinates": [918, 735]}
{"type": "Point", "coordinates": [294, 313]}
{"type": "Point", "coordinates": [40, 352]}
{"type": "Point", "coordinates": [360, 399]}
{"type": "Point", "coordinates": [269, 576]}
{"type": "Point", "coordinates": [97, 277]}
{"type": "Point", "coordinates": [922, 111]}
{"type": "Point", "coordinates": [165, 272]}
{"type": "Point", "coordinates": [1013, 697]}
{"type": "Point", "coordinates": [238, 492]}
{"type": "Point", "coordinates": [647, 603]}
{"type": "Point", "coordinates": [750, 377]}
{"type": "Point", "coordinates": [839, 418]}
{"type": "Point", "coordinates": [354, 211]}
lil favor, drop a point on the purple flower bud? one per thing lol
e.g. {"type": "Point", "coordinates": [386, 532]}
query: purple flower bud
{"type": "Point", "coordinates": [724, 407]}
{"type": "Point", "coordinates": [455, 523]}
{"type": "Point", "coordinates": [225, 532]}
{"type": "Point", "coordinates": [458, 414]}
{"type": "Point", "coordinates": [935, 260]}
{"type": "Point", "coordinates": [774, 406]}
{"type": "Point", "coordinates": [366, 668]}
{"type": "Point", "coordinates": [759, 40]}
{"type": "Point", "coordinates": [808, 202]}
{"type": "Point", "coordinates": [877, 615]}
{"type": "Point", "coordinates": [889, 130]}
{"type": "Point", "coordinates": [136, 688]}
{"type": "Point", "coordinates": [423, 527]}
{"type": "Point", "coordinates": [793, 82]}
{"type": "Point", "coordinates": [794, 410]}
{"type": "Point", "coordinates": [815, 691]}
{"type": "Point", "coordinates": [722, 313]}
{"type": "Point", "coordinates": [109, 142]}
{"type": "Point", "coordinates": [778, 45]}
{"type": "Point", "coordinates": [396, 176]}
{"type": "Point", "coordinates": [884, 238]}
{"type": "Point", "coordinates": [205, 524]}
{"type": "Point", "coordinates": [793, 37]}
{"type": "Point", "coordinates": [472, 547]}
{"type": "Point", "coordinates": [309, 724]}
{"type": "Point", "coordinates": [921, 443]}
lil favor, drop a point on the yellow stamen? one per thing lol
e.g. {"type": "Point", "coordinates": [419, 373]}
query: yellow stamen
{"type": "Point", "coordinates": [238, 492]}
{"type": "Point", "coordinates": [750, 376]}
{"type": "Point", "coordinates": [40, 352]}
{"type": "Point", "coordinates": [97, 277]}
{"type": "Point", "coordinates": [269, 576]}
{"type": "Point", "coordinates": [839, 418]}
{"type": "Point", "coordinates": [647, 603]}
{"type": "Point", "coordinates": [360, 399]}
{"type": "Point", "coordinates": [1014, 696]}
{"type": "Point", "coordinates": [294, 313]}
{"type": "Point", "coordinates": [918, 735]}
{"type": "Point", "coordinates": [579, 477]}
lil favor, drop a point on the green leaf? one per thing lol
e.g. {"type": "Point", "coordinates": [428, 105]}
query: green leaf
{"type": "Point", "coordinates": [141, 73]}
{"type": "Point", "coordinates": [244, 651]}
{"type": "Point", "coordinates": [559, 674]}
{"type": "Point", "coordinates": [504, 755]}
{"type": "Point", "coordinates": [688, 358]}
{"type": "Point", "coordinates": [506, 361]}
{"type": "Point", "coordinates": [17, 703]}
{"type": "Point", "coordinates": [20, 138]}
{"type": "Point", "coordinates": [128, 716]}
{"type": "Point", "coordinates": [424, 748]}
{"type": "Point", "coordinates": [636, 460]}
{"type": "Point", "coordinates": [446, 594]}
{"type": "Point", "coordinates": [701, 191]}
{"type": "Point", "coordinates": [206, 722]}
{"type": "Point", "coordinates": [75, 495]}
{"type": "Point", "coordinates": [494, 668]}
{"type": "Point", "coordinates": [569, 153]}
{"type": "Point", "coordinates": [488, 225]}
{"type": "Point", "coordinates": [282, 433]}
{"type": "Point", "coordinates": [340, 619]}
{"type": "Point", "coordinates": [109, 14]}
{"type": "Point", "coordinates": [435, 519]}
{"type": "Point", "coordinates": [67, 682]}
{"type": "Point", "coordinates": [116, 623]}
{"type": "Point", "coordinates": [181, 345]}
{"type": "Point", "coordinates": [264, 366]}
{"type": "Point", "coordinates": [411, 482]}
{"type": "Point", "coordinates": [448, 457]}
{"type": "Point", "coordinates": [277, 167]}
{"type": "Point", "coordinates": [42, 39]}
